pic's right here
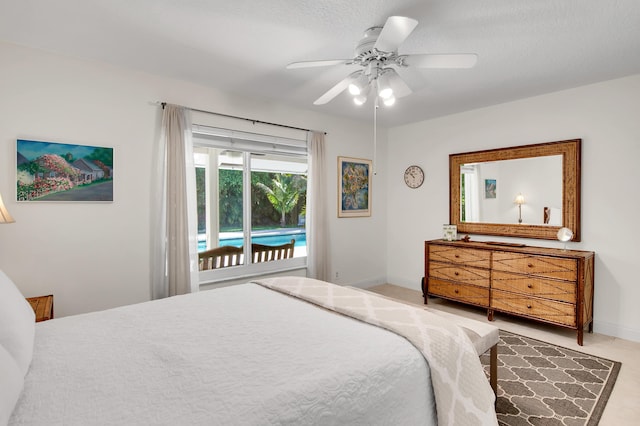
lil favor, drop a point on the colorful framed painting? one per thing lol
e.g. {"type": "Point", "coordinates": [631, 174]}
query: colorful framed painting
{"type": "Point", "coordinates": [354, 187]}
{"type": "Point", "coordinates": [490, 187]}
{"type": "Point", "coordinates": [49, 171]}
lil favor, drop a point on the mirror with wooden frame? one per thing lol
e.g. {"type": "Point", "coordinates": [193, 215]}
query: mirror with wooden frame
{"type": "Point", "coordinates": [528, 191]}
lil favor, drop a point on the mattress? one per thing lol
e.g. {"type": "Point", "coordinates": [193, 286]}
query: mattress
{"type": "Point", "coordinates": [241, 355]}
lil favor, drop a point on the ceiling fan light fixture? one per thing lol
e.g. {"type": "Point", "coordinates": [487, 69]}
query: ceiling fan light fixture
{"type": "Point", "coordinates": [389, 101]}
{"type": "Point", "coordinates": [360, 100]}
{"type": "Point", "coordinates": [385, 93]}
{"type": "Point", "coordinates": [375, 54]}
{"type": "Point", "coordinates": [384, 87]}
{"type": "Point", "coordinates": [359, 86]}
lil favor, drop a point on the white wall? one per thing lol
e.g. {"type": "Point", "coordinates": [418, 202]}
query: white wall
{"type": "Point", "coordinates": [604, 115]}
{"type": "Point", "coordinates": [96, 256]}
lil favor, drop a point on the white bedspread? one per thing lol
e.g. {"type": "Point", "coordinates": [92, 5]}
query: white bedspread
{"type": "Point", "coordinates": [241, 355]}
{"type": "Point", "coordinates": [462, 393]}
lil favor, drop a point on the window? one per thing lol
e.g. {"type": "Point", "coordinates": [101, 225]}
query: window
{"type": "Point", "coordinates": [251, 189]}
{"type": "Point", "coordinates": [469, 205]}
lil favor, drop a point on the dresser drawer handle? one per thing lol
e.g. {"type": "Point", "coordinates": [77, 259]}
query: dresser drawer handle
{"type": "Point", "coordinates": [530, 285]}
{"type": "Point", "coordinates": [457, 256]}
{"type": "Point", "coordinates": [530, 265]}
{"type": "Point", "coordinates": [528, 306]}
{"type": "Point", "coordinates": [456, 273]}
{"type": "Point", "coordinates": [456, 291]}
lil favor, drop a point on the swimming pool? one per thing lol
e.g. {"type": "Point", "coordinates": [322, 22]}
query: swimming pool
{"type": "Point", "coordinates": [267, 239]}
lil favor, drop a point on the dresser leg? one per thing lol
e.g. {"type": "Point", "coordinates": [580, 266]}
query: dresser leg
{"type": "Point", "coordinates": [423, 284]}
{"type": "Point", "coordinates": [580, 334]}
{"type": "Point", "coordinates": [490, 314]}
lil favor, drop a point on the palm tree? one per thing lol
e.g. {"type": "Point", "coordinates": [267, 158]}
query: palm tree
{"type": "Point", "coordinates": [283, 196]}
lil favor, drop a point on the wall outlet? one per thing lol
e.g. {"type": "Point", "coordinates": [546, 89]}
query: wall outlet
{"type": "Point", "coordinates": [337, 275]}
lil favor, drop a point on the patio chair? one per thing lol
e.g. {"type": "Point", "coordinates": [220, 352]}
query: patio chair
{"type": "Point", "coordinates": [264, 253]}
{"type": "Point", "coordinates": [220, 257]}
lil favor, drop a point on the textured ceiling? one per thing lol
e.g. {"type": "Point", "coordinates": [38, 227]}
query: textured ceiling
{"type": "Point", "coordinates": [525, 47]}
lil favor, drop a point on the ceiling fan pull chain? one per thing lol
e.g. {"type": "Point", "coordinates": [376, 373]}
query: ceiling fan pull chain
{"type": "Point", "coordinates": [375, 133]}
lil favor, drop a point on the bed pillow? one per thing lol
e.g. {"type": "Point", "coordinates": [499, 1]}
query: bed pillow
{"type": "Point", "coordinates": [12, 381]}
{"type": "Point", "coordinates": [17, 323]}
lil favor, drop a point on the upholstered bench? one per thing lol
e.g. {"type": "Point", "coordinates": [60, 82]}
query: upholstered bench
{"type": "Point", "coordinates": [485, 337]}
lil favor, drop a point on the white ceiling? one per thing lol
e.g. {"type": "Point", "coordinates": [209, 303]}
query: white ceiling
{"type": "Point", "coordinates": [525, 47]}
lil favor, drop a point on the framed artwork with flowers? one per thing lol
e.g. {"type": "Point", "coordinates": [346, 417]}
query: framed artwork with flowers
{"type": "Point", "coordinates": [354, 187]}
{"type": "Point", "coordinates": [50, 171]}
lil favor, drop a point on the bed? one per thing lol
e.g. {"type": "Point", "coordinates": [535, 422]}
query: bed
{"type": "Point", "coordinates": [277, 351]}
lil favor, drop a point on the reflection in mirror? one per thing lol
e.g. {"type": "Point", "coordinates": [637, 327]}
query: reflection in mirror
{"type": "Point", "coordinates": [524, 190]}
{"type": "Point", "coordinates": [484, 185]}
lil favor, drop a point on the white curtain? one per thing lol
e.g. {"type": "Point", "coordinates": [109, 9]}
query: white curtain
{"type": "Point", "coordinates": [174, 268]}
{"type": "Point", "coordinates": [472, 193]}
{"type": "Point", "coordinates": [317, 222]}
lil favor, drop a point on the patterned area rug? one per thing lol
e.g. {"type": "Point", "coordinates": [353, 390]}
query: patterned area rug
{"type": "Point", "coordinates": [543, 384]}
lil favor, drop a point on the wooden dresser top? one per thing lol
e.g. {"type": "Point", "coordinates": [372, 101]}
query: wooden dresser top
{"type": "Point", "coordinates": [516, 248]}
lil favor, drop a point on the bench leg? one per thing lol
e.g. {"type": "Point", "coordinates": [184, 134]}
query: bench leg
{"type": "Point", "coordinates": [493, 369]}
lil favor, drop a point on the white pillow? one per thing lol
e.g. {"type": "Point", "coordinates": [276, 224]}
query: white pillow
{"type": "Point", "coordinates": [12, 381]}
{"type": "Point", "coordinates": [17, 323]}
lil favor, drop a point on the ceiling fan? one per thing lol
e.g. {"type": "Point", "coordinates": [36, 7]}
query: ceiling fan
{"type": "Point", "coordinates": [377, 54]}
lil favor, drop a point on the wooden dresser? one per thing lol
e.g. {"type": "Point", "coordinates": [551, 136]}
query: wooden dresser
{"type": "Point", "coordinates": [544, 284]}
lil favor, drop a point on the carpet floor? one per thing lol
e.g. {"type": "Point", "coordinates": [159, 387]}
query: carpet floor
{"type": "Point", "coordinates": [543, 384]}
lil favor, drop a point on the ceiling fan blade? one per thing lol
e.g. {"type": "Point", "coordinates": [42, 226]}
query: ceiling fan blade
{"type": "Point", "coordinates": [309, 64]}
{"type": "Point", "coordinates": [400, 88]}
{"type": "Point", "coordinates": [337, 89]}
{"type": "Point", "coordinates": [394, 32]}
{"type": "Point", "coordinates": [453, 60]}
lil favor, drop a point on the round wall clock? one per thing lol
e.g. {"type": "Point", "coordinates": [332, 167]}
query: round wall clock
{"type": "Point", "coordinates": [413, 176]}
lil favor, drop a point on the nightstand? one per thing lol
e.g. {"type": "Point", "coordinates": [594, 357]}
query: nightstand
{"type": "Point", "coordinates": [42, 306]}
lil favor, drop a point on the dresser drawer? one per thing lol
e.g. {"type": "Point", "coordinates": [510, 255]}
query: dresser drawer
{"type": "Point", "coordinates": [544, 309]}
{"type": "Point", "coordinates": [460, 256]}
{"type": "Point", "coordinates": [461, 292]}
{"type": "Point", "coordinates": [563, 291]}
{"type": "Point", "coordinates": [460, 273]}
{"type": "Point", "coordinates": [541, 266]}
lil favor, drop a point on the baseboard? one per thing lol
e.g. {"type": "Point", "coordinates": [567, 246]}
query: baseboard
{"type": "Point", "coordinates": [402, 282]}
{"type": "Point", "coordinates": [616, 330]}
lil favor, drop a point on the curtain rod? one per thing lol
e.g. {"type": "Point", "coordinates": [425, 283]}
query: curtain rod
{"type": "Point", "coordinates": [244, 118]}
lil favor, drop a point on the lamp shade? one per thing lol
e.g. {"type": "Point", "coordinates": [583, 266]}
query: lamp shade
{"type": "Point", "coordinates": [519, 199]}
{"type": "Point", "coordinates": [359, 86]}
{"type": "Point", "coordinates": [5, 217]}
{"type": "Point", "coordinates": [384, 87]}
{"type": "Point", "coordinates": [360, 100]}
